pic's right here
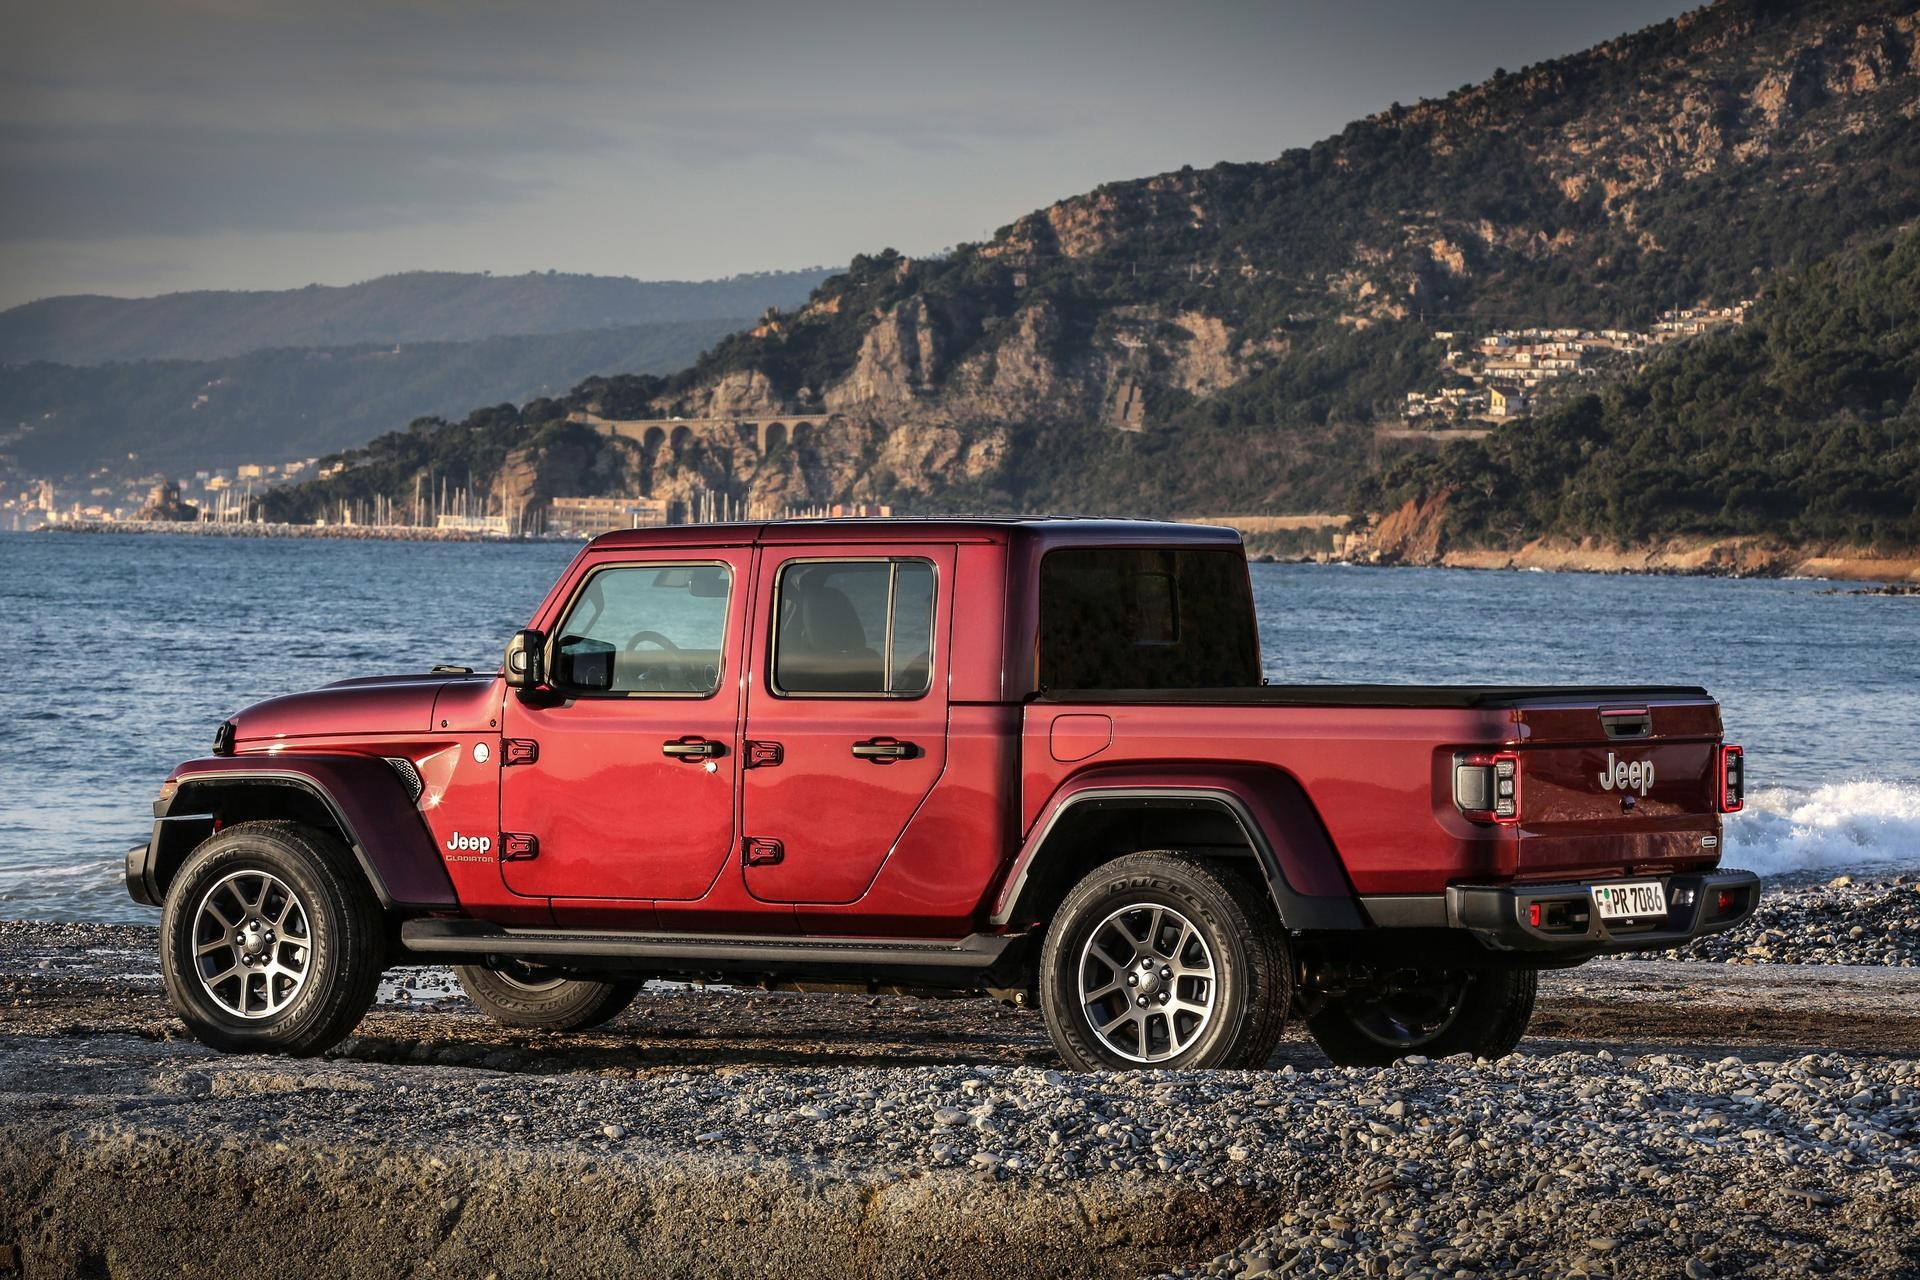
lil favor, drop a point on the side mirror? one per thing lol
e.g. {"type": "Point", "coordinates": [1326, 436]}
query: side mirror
{"type": "Point", "coordinates": [582, 664]}
{"type": "Point", "coordinates": [524, 666]}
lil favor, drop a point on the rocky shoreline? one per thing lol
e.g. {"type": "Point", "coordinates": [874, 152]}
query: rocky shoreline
{"type": "Point", "coordinates": [1664, 1118]}
{"type": "Point", "coordinates": [1415, 538]}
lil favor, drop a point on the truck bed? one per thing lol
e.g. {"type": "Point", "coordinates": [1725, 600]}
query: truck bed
{"type": "Point", "coordinates": [1459, 696]}
{"type": "Point", "coordinates": [1376, 763]}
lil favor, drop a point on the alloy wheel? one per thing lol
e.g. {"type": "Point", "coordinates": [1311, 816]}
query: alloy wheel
{"type": "Point", "coordinates": [1148, 983]}
{"type": "Point", "coordinates": [252, 944]}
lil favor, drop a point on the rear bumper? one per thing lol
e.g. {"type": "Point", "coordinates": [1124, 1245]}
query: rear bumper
{"type": "Point", "coordinates": [1501, 916]}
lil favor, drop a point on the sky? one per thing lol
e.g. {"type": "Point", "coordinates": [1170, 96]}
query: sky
{"type": "Point", "coordinates": [149, 147]}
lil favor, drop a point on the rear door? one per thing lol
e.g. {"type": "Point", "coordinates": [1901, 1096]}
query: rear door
{"type": "Point", "coordinates": [846, 714]}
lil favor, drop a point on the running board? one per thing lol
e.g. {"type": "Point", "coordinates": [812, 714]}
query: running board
{"type": "Point", "coordinates": [704, 951]}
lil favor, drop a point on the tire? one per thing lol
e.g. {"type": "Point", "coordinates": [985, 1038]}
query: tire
{"type": "Point", "coordinates": [1483, 1012]}
{"type": "Point", "coordinates": [1241, 974]}
{"type": "Point", "coordinates": [516, 994]}
{"type": "Point", "coordinates": [299, 966]}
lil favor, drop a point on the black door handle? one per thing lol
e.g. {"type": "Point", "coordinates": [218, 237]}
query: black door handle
{"type": "Point", "coordinates": [693, 749]}
{"type": "Point", "coordinates": [882, 750]}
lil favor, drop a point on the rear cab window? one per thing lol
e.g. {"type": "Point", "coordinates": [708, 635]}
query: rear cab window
{"type": "Point", "coordinates": [1146, 618]}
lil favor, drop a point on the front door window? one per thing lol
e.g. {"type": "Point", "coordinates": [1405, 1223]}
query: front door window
{"type": "Point", "coordinates": [643, 629]}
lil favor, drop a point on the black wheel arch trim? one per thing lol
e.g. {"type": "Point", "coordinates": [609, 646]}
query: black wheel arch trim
{"type": "Point", "coordinates": [1299, 911]}
{"type": "Point", "coordinates": [362, 795]}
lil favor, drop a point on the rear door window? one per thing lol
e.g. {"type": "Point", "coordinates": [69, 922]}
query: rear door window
{"type": "Point", "coordinates": [861, 628]}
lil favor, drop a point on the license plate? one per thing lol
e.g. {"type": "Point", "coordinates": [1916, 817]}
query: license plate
{"type": "Point", "coordinates": [1630, 901]}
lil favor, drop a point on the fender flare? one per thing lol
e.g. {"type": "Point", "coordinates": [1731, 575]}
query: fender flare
{"type": "Point", "coordinates": [1304, 874]}
{"type": "Point", "coordinates": [362, 795]}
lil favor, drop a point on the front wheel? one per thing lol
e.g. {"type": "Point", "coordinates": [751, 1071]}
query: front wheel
{"type": "Point", "coordinates": [1164, 960]}
{"type": "Point", "coordinates": [272, 940]}
{"type": "Point", "coordinates": [1483, 1012]}
{"type": "Point", "coordinates": [517, 994]}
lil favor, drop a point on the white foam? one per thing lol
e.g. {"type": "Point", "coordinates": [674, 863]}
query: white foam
{"type": "Point", "coordinates": [1843, 825]}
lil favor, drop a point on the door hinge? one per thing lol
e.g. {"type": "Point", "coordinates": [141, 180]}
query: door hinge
{"type": "Point", "coordinates": [515, 847]}
{"type": "Point", "coordinates": [519, 751]}
{"type": "Point", "coordinates": [764, 755]}
{"type": "Point", "coordinates": [756, 852]}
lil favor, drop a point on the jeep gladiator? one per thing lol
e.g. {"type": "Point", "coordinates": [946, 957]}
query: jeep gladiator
{"type": "Point", "coordinates": [1029, 757]}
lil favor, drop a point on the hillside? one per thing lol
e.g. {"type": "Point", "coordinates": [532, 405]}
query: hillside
{"type": "Point", "coordinates": [1802, 426]}
{"type": "Point", "coordinates": [1226, 339]}
{"type": "Point", "coordinates": [285, 403]}
{"type": "Point", "coordinates": [420, 306]}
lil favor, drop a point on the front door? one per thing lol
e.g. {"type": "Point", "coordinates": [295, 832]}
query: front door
{"type": "Point", "coordinates": [846, 714]}
{"type": "Point", "coordinates": [630, 791]}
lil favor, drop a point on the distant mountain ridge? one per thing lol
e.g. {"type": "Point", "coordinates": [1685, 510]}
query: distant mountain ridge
{"type": "Point", "coordinates": [417, 306]}
{"type": "Point", "coordinates": [294, 402]}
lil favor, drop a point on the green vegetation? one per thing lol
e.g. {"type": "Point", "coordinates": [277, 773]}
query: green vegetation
{"type": "Point", "coordinates": [431, 452]}
{"type": "Point", "coordinates": [1804, 424]}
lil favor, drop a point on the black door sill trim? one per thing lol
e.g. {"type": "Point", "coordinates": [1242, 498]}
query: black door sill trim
{"type": "Point", "coordinates": [703, 950]}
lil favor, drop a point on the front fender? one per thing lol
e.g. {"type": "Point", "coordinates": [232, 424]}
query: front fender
{"type": "Point", "coordinates": [360, 795]}
{"type": "Point", "coordinates": [1304, 874]}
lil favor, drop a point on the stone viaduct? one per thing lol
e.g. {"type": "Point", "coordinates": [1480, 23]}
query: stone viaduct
{"type": "Point", "coordinates": [763, 434]}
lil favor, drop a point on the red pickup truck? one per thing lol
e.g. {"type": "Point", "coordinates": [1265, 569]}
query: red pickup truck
{"type": "Point", "coordinates": [1029, 757]}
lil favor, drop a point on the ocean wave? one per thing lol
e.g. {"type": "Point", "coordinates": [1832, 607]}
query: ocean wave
{"type": "Point", "coordinates": [1845, 826]}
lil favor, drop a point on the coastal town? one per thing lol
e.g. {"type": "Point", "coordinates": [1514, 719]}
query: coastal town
{"type": "Point", "coordinates": [222, 502]}
{"type": "Point", "coordinates": [1504, 374]}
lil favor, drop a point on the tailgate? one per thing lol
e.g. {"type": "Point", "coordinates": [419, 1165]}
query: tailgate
{"type": "Point", "coordinates": [1617, 788]}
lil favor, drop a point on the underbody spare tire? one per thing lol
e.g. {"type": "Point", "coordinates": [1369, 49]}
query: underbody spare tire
{"type": "Point", "coordinates": [272, 940]}
{"type": "Point", "coordinates": [1165, 960]}
{"type": "Point", "coordinates": [515, 993]}
{"type": "Point", "coordinates": [1483, 1012]}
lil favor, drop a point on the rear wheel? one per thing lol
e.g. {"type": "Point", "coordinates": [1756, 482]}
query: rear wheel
{"type": "Point", "coordinates": [1483, 1012]}
{"type": "Point", "coordinates": [517, 994]}
{"type": "Point", "coordinates": [1163, 960]}
{"type": "Point", "coordinates": [272, 940]}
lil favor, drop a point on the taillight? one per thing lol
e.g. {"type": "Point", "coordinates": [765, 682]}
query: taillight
{"type": "Point", "coordinates": [1486, 788]}
{"type": "Point", "coordinates": [1733, 779]}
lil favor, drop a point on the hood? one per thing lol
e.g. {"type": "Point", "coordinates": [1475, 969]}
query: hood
{"type": "Point", "coordinates": [371, 705]}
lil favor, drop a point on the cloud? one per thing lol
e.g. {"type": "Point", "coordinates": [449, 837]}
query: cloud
{"type": "Point", "coordinates": [74, 182]}
{"type": "Point", "coordinates": [329, 140]}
